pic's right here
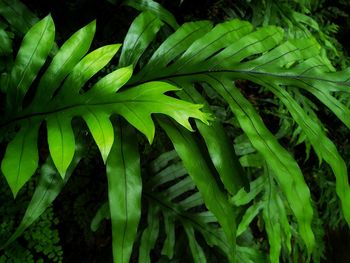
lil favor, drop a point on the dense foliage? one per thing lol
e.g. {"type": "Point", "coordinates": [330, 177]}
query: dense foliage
{"type": "Point", "coordinates": [203, 142]}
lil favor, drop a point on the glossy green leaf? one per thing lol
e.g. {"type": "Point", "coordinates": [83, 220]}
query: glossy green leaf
{"type": "Point", "coordinates": [326, 150]}
{"type": "Point", "coordinates": [221, 36]}
{"type": "Point", "coordinates": [286, 169]}
{"type": "Point", "coordinates": [61, 141]}
{"type": "Point", "coordinates": [276, 222]}
{"type": "Point", "coordinates": [173, 46]}
{"type": "Point", "coordinates": [140, 34]}
{"type": "Point", "coordinates": [21, 156]}
{"type": "Point", "coordinates": [243, 198]}
{"type": "Point", "coordinates": [64, 61]}
{"type": "Point", "coordinates": [193, 160]}
{"type": "Point", "coordinates": [32, 54]}
{"type": "Point", "coordinates": [137, 104]}
{"type": "Point", "coordinates": [219, 147]}
{"type": "Point", "coordinates": [154, 8]}
{"type": "Point", "coordinates": [248, 216]}
{"type": "Point", "coordinates": [101, 129]}
{"type": "Point", "coordinates": [261, 56]}
{"type": "Point", "coordinates": [49, 186]}
{"type": "Point", "coordinates": [211, 58]}
{"type": "Point", "coordinates": [111, 83]}
{"type": "Point", "coordinates": [57, 104]}
{"type": "Point", "coordinates": [124, 192]}
{"type": "Point", "coordinates": [86, 68]}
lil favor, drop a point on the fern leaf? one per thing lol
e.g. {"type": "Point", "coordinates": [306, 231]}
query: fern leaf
{"type": "Point", "coordinates": [243, 198]}
{"type": "Point", "coordinates": [288, 173]}
{"type": "Point", "coordinates": [273, 211]}
{"type": "Point", "coordinates": [49, 186]}
{"type": "Point", "coordinates": [196, 166]}
{"type": "Point", "coordinates": [140, 34]}
{"type": "Point", "coordinates": [62, 64]}
{"type": "Point", "coordinates": [154, 8]}
{"type": "Point", "coordinates": [34, 50]}
{"type": "Point", "coordinates": [221, 152]}
{"type": "Point", "coordinates": [276, 222]}
{"type": "Point", "coordinates": [185, 210]}
{"type": "Point", "coordinates": [21, 156]}
{"type": "Point", "coordinates": [234, 50]}
{"type": "Point", "coordinates": [66, 77]}
{"type": "Point", "coordinates": [124, 192]}
{"type": "Point", "coordinates": [61, 141]}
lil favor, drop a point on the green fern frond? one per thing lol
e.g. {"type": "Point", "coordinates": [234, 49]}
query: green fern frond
{"type": "Point", "coordinates": [60, 96]}
{"type": "Point", "coordinates": [174, 194]}
{"type": "Point", "coordinates": [198, 53]}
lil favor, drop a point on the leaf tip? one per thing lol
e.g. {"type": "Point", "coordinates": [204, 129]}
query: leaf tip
{"type": "Point", "coordinates": [14, 192]}
{"type": "Point", "coordinates": [116, 47]}
{"type": "Point", "coordinates": [92, 25]}
{"type": "Point", "coordinates": [105, 154]}
{"type": "Point", "coordinates": [62, 173]}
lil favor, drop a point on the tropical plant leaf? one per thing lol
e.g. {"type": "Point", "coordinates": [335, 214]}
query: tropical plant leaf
{"type": "Point", "coordinates": [248, 216]}
{"type": "Point", "coordinates": [49, 186]}
{"type": "Point", "coordinates": [32, 54]}
{"type": "Point", "coordinates": [276, 222]}
{"type": "Point", "coordinates": [243, 198]}
{"type": "Point", "coordinates": [141, 32]}
{"type": "Point", "coordinates": [185, 209]}
{"type": "Point", "coordinates": [124, 192]}
{"type": "Point", "coordinates": [273, 211]}
{"type": "Point", "coordinates": [21, 156]}
{"type": "Point", "coordinates": [66, 77]}
{"type": "Point", "coordinates": [71, 52]}
{"type": "Point", "coordinates": [233, 51]}
{"type": "Point", "coordinates": [219, 147]}
{"type": "Point", "coordinates": [154, 8]}
{"type": "Point", "coordinates": [197, 167]}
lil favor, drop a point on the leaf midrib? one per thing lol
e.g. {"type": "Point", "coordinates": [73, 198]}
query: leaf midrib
{"type": "Point", "coordinates": [166, 78]}
{"type": "Point", "coordinates": [68, 107]}
{"type": "Point", "coordinates": [298, 77]}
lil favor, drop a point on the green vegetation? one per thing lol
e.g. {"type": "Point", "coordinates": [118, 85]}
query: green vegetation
{"type": "Point", "coordinates": [203, 142]}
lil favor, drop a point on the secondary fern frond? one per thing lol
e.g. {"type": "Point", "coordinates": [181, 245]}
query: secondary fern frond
{"type": "Point", "coordinates": [198, 53]}
{"type": "Point", "coordinates": [174, 194]}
